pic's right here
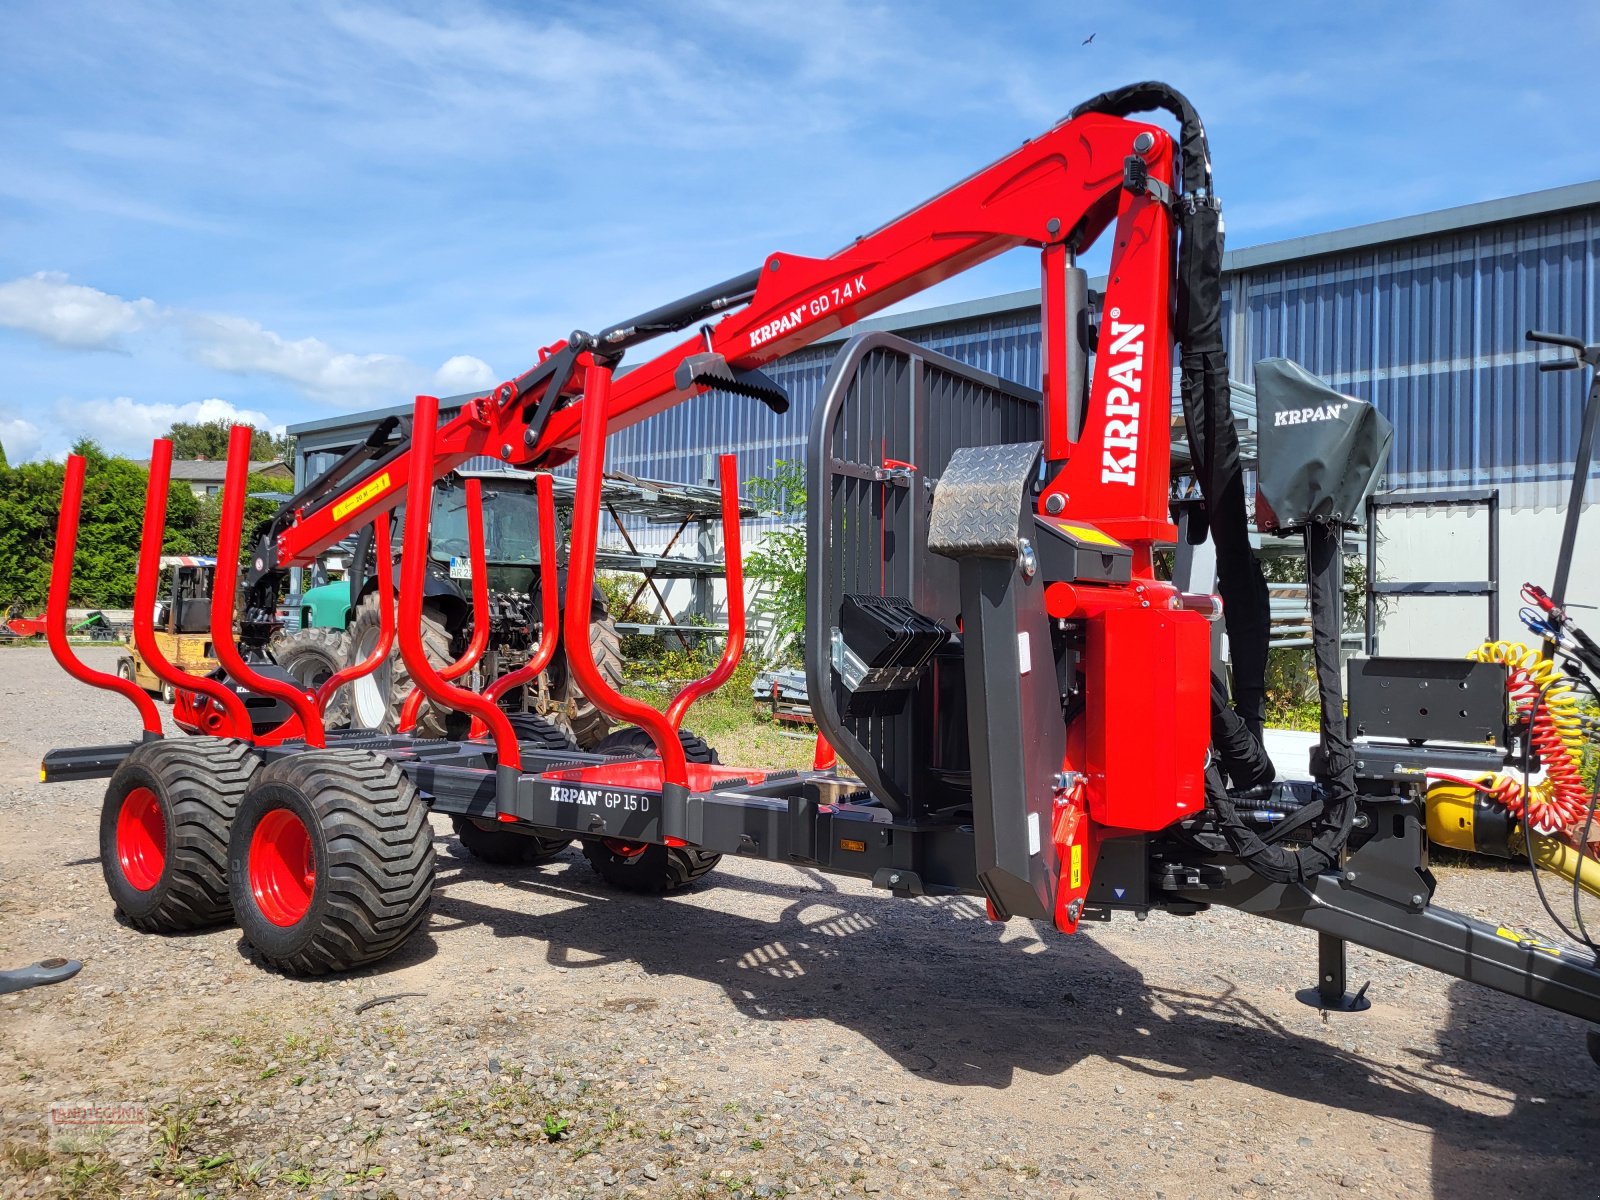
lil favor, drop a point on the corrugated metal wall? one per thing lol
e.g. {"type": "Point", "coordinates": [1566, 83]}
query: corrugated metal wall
{"type": "Point", "coordinates": [1431, 331]}
{"type": "Point", "coordinates": [679, 444]}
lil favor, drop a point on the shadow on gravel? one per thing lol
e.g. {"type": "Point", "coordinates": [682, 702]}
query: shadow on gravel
{"type": "Point", "coordinates": [1546, 1145]}
{"type": "Point", "coordinates": [932, 985]}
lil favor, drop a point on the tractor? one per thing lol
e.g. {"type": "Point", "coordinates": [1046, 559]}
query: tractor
{"type": "Point", "coordinates": [340, 621]}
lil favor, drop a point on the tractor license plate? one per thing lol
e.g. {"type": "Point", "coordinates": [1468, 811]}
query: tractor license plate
{"type": "Point", "coordinates": [460, 568]}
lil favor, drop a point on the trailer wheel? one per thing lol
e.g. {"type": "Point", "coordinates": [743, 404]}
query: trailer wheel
{"type": "Point", "coordinates": [504, 848]}
{"type": "Point", "coordinates": [330, 865]}
{"type": "Point", "coordinates": [489, 843]}
{"type": "Point", "coordinates": [310, 656]}
{"type": "Point", "coordinates": [643, 867]}
{"type": "Point", "coordinates": [635, 742]}
{"type": "Point", "coordinates": [541, 733]}
{"type": "Point", "coordinates": [640, 866]}
{"type": "Point", "coordinates": [164, 831]}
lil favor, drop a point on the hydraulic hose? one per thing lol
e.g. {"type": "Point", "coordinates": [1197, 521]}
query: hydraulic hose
{"type": "Point", "coordinates": [1543, 700]}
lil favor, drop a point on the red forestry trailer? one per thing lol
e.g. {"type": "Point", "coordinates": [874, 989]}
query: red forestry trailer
{"type": "Point", "coordinates": [1023, 709]}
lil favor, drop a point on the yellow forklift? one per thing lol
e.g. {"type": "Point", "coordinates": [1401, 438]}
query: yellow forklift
{"type": "Point", "coordinates": [182, 624]}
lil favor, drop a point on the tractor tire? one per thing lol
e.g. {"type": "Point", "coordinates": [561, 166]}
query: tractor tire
{"type": "Point", "coordinates": [587, 724]}
{"type": "Point", "coordinates": [376, 699]}
{"type": "Point", "coordinates": [164, 829]}
{"type": "Point", "coordinates": [310, 656]}
{"type": "Point", "coordinates": [331, 861]}
{"type": "Point", "coordinates": [634, 742]}
{"type": "Point", "coordinates": [640, 867]}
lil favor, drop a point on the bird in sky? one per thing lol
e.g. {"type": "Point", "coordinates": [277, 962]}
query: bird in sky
{"type": "Point", "coordinates": [1087, 40]}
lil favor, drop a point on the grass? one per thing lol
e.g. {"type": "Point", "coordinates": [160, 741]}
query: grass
{"type": "Point", "coordinates": [727, 719]}
{"type": "Point", "coordinates": [77, 1172]}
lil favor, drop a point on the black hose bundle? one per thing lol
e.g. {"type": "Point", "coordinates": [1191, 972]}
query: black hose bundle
{"type": "Point", "coordinates": [1207, 413]}
{"type": "Point", "coordinates": [1331, 817]}
{"type": "Point", "coordinates": [1236, 728]}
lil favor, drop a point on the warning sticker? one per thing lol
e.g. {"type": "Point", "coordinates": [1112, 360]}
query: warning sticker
{"type": "Point", "coordinates": [1077, 867]}
{"type": "Point", "coordinates": [362, 496]}
{"type": "Point", "coordinates": [1531, 943]}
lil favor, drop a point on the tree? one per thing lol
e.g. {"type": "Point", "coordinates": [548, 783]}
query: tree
{"type": "Point", "coordinates": [209, 439]}
{"type": "Point", "coordinates": [110, 523]}
{"type": "Point", "coordinates": [778, 562]}
{"type": "Point", "coordinates": [256, 512]}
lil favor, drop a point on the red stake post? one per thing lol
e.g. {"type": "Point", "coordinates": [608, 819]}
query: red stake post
{"type": "Point", "coordinates": [480, 608]}
{"type": "Point", "coordinates": [662, 727]}
{"type": "Point", "coordinates": [413, 569]}
{"type": "Point", "coordinates": [550, 604]}
{"type": "Point", "coordinates": [224, 593]}
{"type": "Point", "coordinates": [234, 717]}
{"type": "Point", "coordinates": [56, 606]}
{"type": "Point", "coordinates": [381, 547]}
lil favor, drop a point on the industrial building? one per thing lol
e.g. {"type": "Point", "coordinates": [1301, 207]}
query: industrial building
{"type": "Point", "coordinates": [1423, 316]}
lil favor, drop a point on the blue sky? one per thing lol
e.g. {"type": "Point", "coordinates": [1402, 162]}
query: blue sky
{"type": "Point", "coordinates": [291, 210]}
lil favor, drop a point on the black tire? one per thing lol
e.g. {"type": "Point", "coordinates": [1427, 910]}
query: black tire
{"type": "Point", "coordinates": [168, 693]}
{"type": "Point", "coordinates": [310, 656]}
{"type": "Point", "coordinates": [540, 733]}
{"type": "Point", "coordinates": [649, 869]}
{"type": "Point", "coordinates": [587, 724]}
{"type": "Point", "coordinates": [1594, 1046]}
{"type": "Point", "coordinates": [506, 848]}
{"type": "Point", "coordinates": [635, 742]}
{"type": "Point", "coordinates": [195, 785]}
{"type": "Point", "coordinates": [126, 671]}
{"type": "Point", "coordinates": [376, 699]}
{"type": "Point", "coordinates": [371, 852]}
{"type": "Point", "coordinates": [486, 840]}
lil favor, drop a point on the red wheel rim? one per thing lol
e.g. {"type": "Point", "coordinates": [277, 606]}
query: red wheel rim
{"type": "Point", "coordinates": [142, 839]}
{"type": "Point", "coordinates": [282, 867]}
{"type": "Point", "coordinates": [624, 849]}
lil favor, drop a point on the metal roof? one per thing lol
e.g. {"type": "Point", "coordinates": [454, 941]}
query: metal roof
{"type": "Point", "coordinates": [212, 470]}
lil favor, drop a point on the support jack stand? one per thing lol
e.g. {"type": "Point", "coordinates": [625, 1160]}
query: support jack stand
{"type": "Point", "coordinates": [1331, 993]}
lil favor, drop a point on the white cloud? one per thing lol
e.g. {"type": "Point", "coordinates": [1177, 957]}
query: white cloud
{"type": "Point", "coordinates": [123, 425]}
{"type": "Point", "coordinates": [120, 424]}
{"type": "Point", "coordinates": [241, 346]}
{"type": "Point", "coordinates": [20, 438]}
{"type": "Point", "coordinates": [463, 373]}
{"type": "Point", "coordinates": [79, 317]}
{"type": "Point", "coordinates": [70, 314]}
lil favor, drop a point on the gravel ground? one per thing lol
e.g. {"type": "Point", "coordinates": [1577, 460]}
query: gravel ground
{"type": "Point", "coordinates": [772, 1032]}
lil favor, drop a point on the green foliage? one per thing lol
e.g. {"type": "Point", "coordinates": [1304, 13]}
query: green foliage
{"type": "Point", "coordinates": [30, 497]}
{"type": "Point", "coordinates": [108, 533]}
{"type": "Point", "coordinates": [256, 512]}
{"type": "Point", "coordinates": [778, 562]}
{"type": "Point", "coordinates": [209, 439]}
